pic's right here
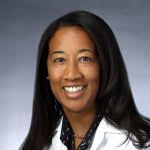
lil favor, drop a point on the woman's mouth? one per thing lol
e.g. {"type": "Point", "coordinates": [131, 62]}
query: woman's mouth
{"type": "Point", "coordinates": [74, 91]}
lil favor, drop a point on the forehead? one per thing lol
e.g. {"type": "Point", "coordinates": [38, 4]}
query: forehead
{"type": "Point", "coordinates": [71, 37]}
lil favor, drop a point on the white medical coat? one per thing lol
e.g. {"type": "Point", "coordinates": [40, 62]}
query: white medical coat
{"type": "Point", "coordinates": [106, 137]}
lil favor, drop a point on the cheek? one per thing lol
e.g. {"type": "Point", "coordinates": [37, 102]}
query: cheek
{"type": "Point", "coordinates": [92, 73]}
{"type": "Point", "coordinates": [54, 80]}
{"type": "Point", "coordinates": [92, 76]}
{"type": "Point", "coordinates": [54, 73]}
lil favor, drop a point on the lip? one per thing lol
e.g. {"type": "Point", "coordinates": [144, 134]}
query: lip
{"type": "Point", "coordinates": [74, 95]}
{"type": "Point", "coordinates": [74, 85]}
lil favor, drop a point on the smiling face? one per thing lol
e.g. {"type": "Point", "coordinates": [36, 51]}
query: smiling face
{"type": "Point", "coordinates": [73, 69]}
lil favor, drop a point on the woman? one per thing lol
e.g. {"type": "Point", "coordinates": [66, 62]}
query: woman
{"type": "Point", "coordinates": [82, 95]}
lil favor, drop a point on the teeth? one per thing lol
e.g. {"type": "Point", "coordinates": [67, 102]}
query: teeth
{"type": "Point", "coordinates": [73, 89]}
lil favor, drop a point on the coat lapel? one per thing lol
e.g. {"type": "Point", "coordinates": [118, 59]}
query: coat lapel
{"type": "Point", "coordinates": [106, 137]}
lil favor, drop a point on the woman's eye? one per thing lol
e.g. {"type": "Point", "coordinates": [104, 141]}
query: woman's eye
{"type": "Point", "coordinates": [59, 60]}
{"type": "Point", "coordinates": [86, 59]}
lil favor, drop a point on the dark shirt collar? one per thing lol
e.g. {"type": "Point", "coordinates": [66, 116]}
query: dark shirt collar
{"type": "Point", "coordinates": [67, 134]}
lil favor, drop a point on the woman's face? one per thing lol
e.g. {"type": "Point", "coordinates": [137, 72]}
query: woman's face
{"type": "Point", "coordinates": [73, 69]}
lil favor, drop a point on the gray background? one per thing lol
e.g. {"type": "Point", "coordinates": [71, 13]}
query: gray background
{"type": "Point", "coordinates": [21, 25]}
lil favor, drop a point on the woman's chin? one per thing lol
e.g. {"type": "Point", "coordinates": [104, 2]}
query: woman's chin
{"type": "Point", "coordinates": [74, 109]}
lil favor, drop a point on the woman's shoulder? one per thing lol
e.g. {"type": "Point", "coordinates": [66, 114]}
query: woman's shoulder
{"type": "Point", "coordinates": [106, 137]}
{"type": "Point", "coordinates": [110, 137]}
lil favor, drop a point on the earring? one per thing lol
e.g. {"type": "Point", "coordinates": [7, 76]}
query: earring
{"type": "Point", "coordinates": [47, 78]}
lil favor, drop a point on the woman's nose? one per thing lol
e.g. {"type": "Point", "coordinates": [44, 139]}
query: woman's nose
{"type": "Point", "coordinates": [72, 72]}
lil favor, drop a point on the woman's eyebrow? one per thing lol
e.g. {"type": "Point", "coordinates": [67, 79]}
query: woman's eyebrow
{"type": "Point", "coordinates": [57, 52]}
{"type": "Point", "coordinates": [62, 52]}
{"type": "Point", "coordinates": [85, 50]}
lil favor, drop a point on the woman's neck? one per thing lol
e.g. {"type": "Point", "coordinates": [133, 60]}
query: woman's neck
{"type": "Point", "coordinates": [80, 121]}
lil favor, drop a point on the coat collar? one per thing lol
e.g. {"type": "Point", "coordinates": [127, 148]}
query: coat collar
{"type": "Point", "coordinates": [104, 127]}
{"type": "Point", "coordinates": [105, 135]}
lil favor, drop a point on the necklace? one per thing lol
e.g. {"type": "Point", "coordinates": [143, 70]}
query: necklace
{"type": "Point", "coordinates": [79, 137]}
